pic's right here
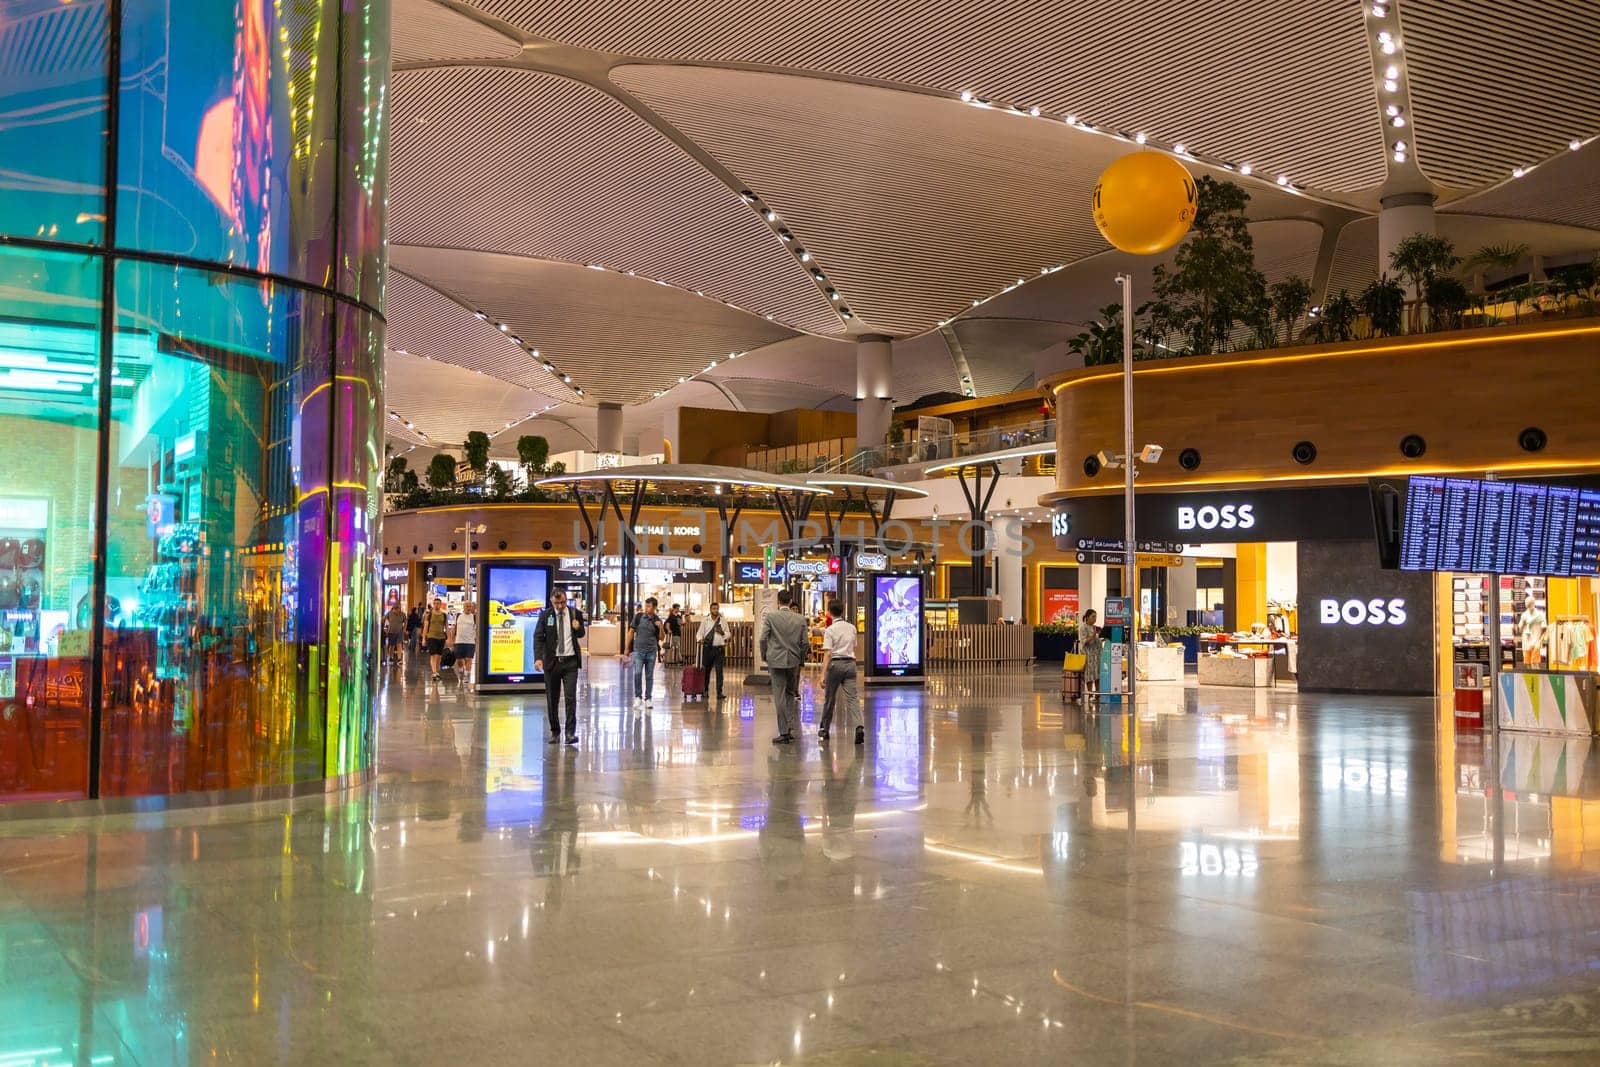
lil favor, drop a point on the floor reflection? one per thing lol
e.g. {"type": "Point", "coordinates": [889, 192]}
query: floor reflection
{"type": "Point", "coordinates": [995, 876]}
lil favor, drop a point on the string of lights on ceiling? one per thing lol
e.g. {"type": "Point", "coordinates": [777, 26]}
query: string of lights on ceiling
{"type": "Point", "coordinates": [1396, 92]}
{"type": "Point", "coordinates": [411, 428]}
{"type": "Point", "coordinates": [549, 365]}
{"type": "Point", "coordinates": [796, 249]}
{"type": "Point", "coordinates": [395, 416]}
{"type": "Point", "coordinates": [1396, 106]}
{"type": "Point", "coordinates": [800, 252]}
{"type": "Point", "coordinates": [684, 379]}
{"type": "Point", "coordinates": [1138, 137]}
{"type": "Point", "coordinates": [518, 422]}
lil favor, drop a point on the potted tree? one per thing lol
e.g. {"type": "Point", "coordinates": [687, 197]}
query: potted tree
{"type": "Point", "coordinates": [1418, 258]}
{"type": "Point", "coordinates": [1291, 298]}
{"type": "Point", "coordinates": [442, 471]}
{"type": "Point", "coordinates": [1102, 341]}
{"type": "Point", "coordinates": [1338, 318]}
{"type": "Point", "coordinates": [1503, 258]}
{"type": "Point", "coordinates": [533, 453]}
{"type": "Point", "coordinates": [476, 451]}
{"type": "Point", "coordinates": [1447, 298]}
{"type": "Point", "coordinates": [1214, 283]}
{"type": "Point", "coordinates": [1383, 302]}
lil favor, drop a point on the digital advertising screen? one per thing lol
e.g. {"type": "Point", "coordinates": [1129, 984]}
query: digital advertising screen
{"type": "Point", "coordinates": [511, 597]}
{"type": "Point", "coordinates": [896, 623]}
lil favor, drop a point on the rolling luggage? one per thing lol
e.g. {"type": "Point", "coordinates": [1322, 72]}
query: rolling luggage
{"type": "Point", "coordinates": [694, 680]}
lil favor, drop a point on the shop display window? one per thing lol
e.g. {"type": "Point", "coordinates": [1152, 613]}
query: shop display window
{"type": "Point", "coordinates": [365, 160]}
{"type": "Point", "coordinates": [53, 144]}
{"type": "Point", "coordinates": [356, 497]}
{"type": "Point", "coordinates": [215, 544]}
{"type": "Point", "coordinates": [49, 445]}
{"type": "Point", "coordinates": [228, 127]}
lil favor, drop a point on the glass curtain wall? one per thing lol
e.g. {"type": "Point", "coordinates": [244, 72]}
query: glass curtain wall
{"type": "Point", "coordinates": [189, 382]}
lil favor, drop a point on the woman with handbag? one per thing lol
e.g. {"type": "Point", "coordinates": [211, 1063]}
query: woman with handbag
{"type": "Point", "coordinates": [1089, 643]}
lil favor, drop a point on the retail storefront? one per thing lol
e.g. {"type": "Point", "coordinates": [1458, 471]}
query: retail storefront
{"type": "Point", "coordinates": [1513, 559]}
{"type": "Point", "coordinates": [191, 271]}
{"type": "Point", "coordinates": [1287, 579]}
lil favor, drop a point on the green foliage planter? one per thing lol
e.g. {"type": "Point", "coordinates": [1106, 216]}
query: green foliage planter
{"type": "Point", "coordinates": [1052, 641]}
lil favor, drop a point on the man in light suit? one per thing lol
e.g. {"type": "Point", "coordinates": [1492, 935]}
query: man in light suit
{"type": "Point", "coordinates": [785, 641]}
{"type": "Point", "coordinates": [555, 642]}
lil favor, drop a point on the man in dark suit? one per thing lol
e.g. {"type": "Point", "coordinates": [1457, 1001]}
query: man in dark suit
{"type": "Point", "coordinates": [557, 653]}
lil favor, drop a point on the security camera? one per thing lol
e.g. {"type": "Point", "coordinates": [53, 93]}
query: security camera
{"type": "Point", "coordinates": [1107, 459]}
{"type": "Point", "coordinates": [1150, 454]}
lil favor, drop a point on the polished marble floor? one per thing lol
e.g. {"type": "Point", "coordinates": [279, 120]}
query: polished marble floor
{"type": "Point", "coordinates": [996, 877]}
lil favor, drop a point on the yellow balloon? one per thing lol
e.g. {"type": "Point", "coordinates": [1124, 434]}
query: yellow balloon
{"type": "Point", "coordinates": [1144, 203]}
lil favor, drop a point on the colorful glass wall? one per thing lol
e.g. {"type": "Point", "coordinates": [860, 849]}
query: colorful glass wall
{"type": "Point", "coordinates": [191, 331]}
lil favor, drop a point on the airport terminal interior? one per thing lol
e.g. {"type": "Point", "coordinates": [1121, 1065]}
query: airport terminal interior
{"type": "Point", "coordinates": [730, 534]}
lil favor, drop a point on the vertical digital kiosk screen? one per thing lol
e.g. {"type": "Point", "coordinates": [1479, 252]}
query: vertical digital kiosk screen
{"type": "Point", "coordinates": [897, 626]}
{"type": "Point", "coordinates": [511, 597]}
{"type": "Point", "coordinates": [1492, 552]}
{"type": "Point", "coordinates": [1586, 535]}
{"type": "Point", "coordinates": [1561, 515]}
{"type": "Point", "coordinates": [1459, 543]}
{"type": "Point", "coordinates": [1422, 530]}
{"type": "Point", "coordinates": [1529, 504]}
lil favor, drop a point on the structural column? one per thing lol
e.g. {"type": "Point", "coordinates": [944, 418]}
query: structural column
{"type": "Point", "coordinates": [874, 390]}
{"type": "Point", "coordinates": [1009, 536]}
{"type": "Point", "coordinates": [1403, 214]}
{"type": "Point", "coordinates": [608, 428]}
{"type": "Point", "coordinates": [671, 430]}
{"type": "Point", "coordinates": [1181, 589]}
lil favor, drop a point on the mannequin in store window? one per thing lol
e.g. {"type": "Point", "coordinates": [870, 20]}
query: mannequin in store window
{"type": "Point", "coordinates": [1531, 627]}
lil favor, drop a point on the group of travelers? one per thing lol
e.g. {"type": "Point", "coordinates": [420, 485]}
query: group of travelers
{"type": "Point", "coordinates": [785, 642]}
{"type": "Point", "coordinates": [650, 640]}
{"type": "Point", "coordinates": [447, 643]}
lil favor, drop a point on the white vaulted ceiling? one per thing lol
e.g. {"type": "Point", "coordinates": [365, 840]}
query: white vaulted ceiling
{"type": "Point", "coordinates": [617, 338]}
{"type": "Point", "coordinates": [639, 187]}
{"type": "Point", "coordinates": [517, 161]}
{"type": "Point", "coordinates": [1237, 81]}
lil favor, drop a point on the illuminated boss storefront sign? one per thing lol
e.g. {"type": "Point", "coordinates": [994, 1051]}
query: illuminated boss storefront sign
{"type": "Point", "coordinates": [1376, 611]}
{"type": "Point", "coordinates": [1192, 517]}
{"type": "Point", "coordinates": [1331, 513]}
{"type": "Point", "coordinates": [1362, 628]}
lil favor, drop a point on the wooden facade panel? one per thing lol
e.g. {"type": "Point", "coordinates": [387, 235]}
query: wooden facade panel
{"type": "Point", "coordinates": [1469, 395]}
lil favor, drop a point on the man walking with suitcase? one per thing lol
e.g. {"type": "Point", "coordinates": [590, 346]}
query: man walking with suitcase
{"type": "Point", "coordinates": [784, 641]}
{"type": "Point", "coordinates": [711, 640]}
{"type": "Point", "coordinates": [557, 653]}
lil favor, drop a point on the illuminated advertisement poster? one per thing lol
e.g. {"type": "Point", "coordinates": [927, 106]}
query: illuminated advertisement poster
{"type": "Point", "coordinates": [1060, 605]}
{"type": "Point", "coordinates": [896, 626]}
{"type": "Point", "coordinates": [513, 595]}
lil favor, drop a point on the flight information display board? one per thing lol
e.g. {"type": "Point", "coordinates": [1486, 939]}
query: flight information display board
{"type": "Point", "coordinates": [1482, 527]}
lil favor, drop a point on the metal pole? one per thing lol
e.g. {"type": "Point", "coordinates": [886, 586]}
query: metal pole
{"type": "Point", "coordinates": [1491, 710]}
{"type": "Point", "coordinates": [1130, 550]}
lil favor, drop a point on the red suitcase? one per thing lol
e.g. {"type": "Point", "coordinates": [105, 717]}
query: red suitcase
{"type": "Point", "coordinates": [694, 680]}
